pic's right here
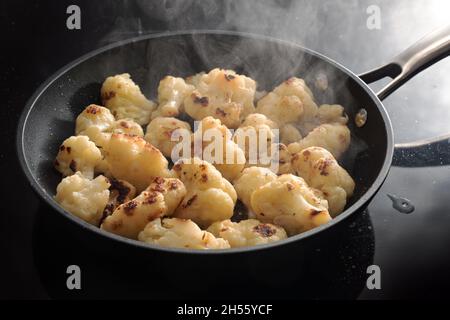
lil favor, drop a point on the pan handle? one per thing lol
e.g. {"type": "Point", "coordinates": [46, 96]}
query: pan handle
{"type": "Point", "coordinates": [425, 52]}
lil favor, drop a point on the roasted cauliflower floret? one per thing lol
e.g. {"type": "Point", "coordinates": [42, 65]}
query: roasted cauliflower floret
{"type": "Point", "coordinates": [210, 197]}
{"type": "Point", "coordinates": [214, 140]}
{"type": "Point", "coordinates": [120, 191]}
{"type": "Point", "coordinates": [159, 133]}
{"type": "Point", "coordinates": [333, 137]}
{"type": "Point", "coordinates": [133, 159]}
{"type": "Point", "coordinates": [125, 99]}
{"type": "Point", "coordinates": [289, 102]}
{"type": "Point", "coordinates": [180, 233]}
{"type": "Point", "coordinates": [289, 134]}
{"type": "Point", "coordinates": [158, 200]}
{"type": "Point", "coordinates": [332, 113]}
{"type": "Point", "coordinates": [171, 94]}
{"type": "Point", "coordinates": [321, 171]}
{"type": "Point", "coordinates": [246, 233]}
{"type": "Point", "coordinates": [127, 126]}
{"type": "Point", "coordinates": [222, 94]}
{"type": "Point", "coordinates": [290, 203]}
{"type": "Point", "coordinates": [281, 159]}
{"type": "Point", "coordinates": [78, 154]}
{"type": "Point", "coordinates": [94, 119]}
{"type": "Point", "coordinates": [83, 197]}
{"type": "Point", "coordinates": [252, 179]}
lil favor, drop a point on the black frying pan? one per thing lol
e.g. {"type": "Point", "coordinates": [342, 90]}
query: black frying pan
{"type": "Point", "coordinates": [49, 116]}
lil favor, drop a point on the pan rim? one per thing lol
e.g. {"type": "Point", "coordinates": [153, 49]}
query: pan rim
{"type": "Point", "coordinates": [354, 208]}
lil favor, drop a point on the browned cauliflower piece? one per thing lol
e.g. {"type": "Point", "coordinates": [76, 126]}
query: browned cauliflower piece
{"type": "Point", "coordinates": [125, 99]}
{"type": "Point", "coordinates": [334, 137]}
{"type": "Point", "coordinates": [159, 133]}
{"type": "Point", "coordinates": [222, 94]}
{"type": "Point", "coordinates": [247, 233]}
{"type": "Point", "coordinates": [321, 171]}
{"type": "Point", "coordinates": [78, 153]}
{"type": "Point", "coordinates": [180, 233]}
{"type": "Point", "coordinates": [160, 199]}
{"type": "Point", "coordinates": [290, 203]}
{"type": "Point", "coordinates": [133, 159]}
{"type": "Point", "coordinates": [252, 179]}
{"type": "Point", "coordinates": [223, 153]}
{"type": "Point", "coordinates": [210, 197]}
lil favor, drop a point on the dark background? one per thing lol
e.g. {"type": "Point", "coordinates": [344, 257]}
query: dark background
{"type": "Point", "coordinates": [411, 250]}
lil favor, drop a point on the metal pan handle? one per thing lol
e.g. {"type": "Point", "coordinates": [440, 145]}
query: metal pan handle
{"type": "Point", "coordinates": [425, 52]}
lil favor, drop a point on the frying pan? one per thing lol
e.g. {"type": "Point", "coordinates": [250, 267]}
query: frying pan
{"type": "Point", "coordinates": [49, 118]}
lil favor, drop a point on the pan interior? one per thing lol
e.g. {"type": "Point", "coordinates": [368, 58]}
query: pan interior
{"type": "Point", "coordinates": [52, 115]}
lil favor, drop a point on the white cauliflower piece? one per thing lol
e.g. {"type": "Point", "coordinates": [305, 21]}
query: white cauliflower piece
{"type": "Point", "coordinates": [333, 137]}
{"type": "Point", "coordinates": [127, 126]}
{"type": "Point", "coordinates": [252, 179]}
{"type": "Point", "coordinates": [321, 171]}
{"type": "Point", "coordinates": [281, 159]}
{"type": "Point", "coordinates": [222, 94]}
{"type": "Point", "coordinates": [289, 102]}
{"type": "Point", "coordinates": [94, 116]}
{"type": "Point", "coordinates": [210, 197]}
{"type": "Point", "coordinates": [247, 233]}
{"type": "Point", "coordinates": [180, 233]}
{"type": "Point", "coordinates": [83, 197]}
{"type": "Point", "coordinates": [224, 153]}
{"type": "Point", "coordinates": [158, 200]}
{"type": "Point", "coordinates": [159, 133]}
{"type": "Point", "coordinates": [77, 153]}
{"type": "Point", "coordinates": [289, 202]}
{"type": "Point", "coordinates": [125, 99]}
{"type": "Point", "coordinates": [171, 94]}
{"type": "Point", "coordinates": [133, 159]}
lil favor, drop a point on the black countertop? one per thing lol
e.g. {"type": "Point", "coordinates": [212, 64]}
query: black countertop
{"type": "Point", "coordinates": [410, 249]}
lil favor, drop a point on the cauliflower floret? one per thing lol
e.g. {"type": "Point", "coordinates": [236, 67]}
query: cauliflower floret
{"type": "Point", "coordinates": [78, 154]}
{"type": "Point", "coordinates": [321, 171]}
{"type": "Point", "coordinates": [256, 119]}
{"type": "Point", "coordinates": [332, 113]}
{"type": "Point", "coordinates": [333, 137]}
{"type": "Point", "coordinates": [222, 94]}
{"type": "Point", "coordinates": [180, 233]}
{"type": "Point", "coordinates": [289, 134]}
{"type": "Point", "coordinates": [289, 102]}
{"type": "Point", "coordinates": [171, 94]}
{"type": "Point", "coordinates": [247, 233]}
{"type": "Point", "coordinates": [159, 133]}
{"type": "Point", "coordinates": [94, 119]}
{"type": "Point", "coordinates": [158, 200]}
{"type": "Point", "coordinates": [210, 197]}
{"type": "Point", "coordinates": [83, 197]}
{"type": "Point", "coordinates": [252, 179]}
{"type": "Point", "coordinates": [120, 192]}
{"type": "Point", "coordinates": [230, 160]}
{"type": "Point", "coordinates": [125, 99]}
{"type": "Point", "coordinates": [135, 160]}
{"type": "Point", "coordinates": [290, 203]}
{"type": "Point", "coordinates": [127, 126]}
